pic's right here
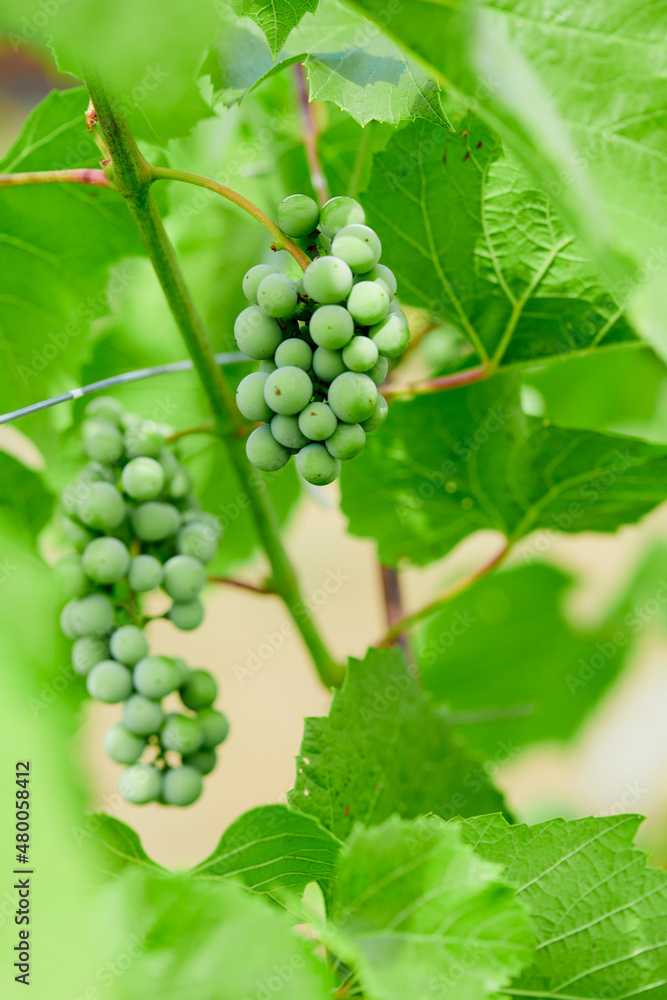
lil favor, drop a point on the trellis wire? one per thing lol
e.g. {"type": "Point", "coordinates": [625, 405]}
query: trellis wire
{"type": "Point", "coordinates": [175, 366]}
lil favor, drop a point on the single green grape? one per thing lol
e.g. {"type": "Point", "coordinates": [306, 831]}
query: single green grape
{"type": "Point", "coordinates": [101, 506]}
{"type": "Point", "coordinates": [252, 279]}
{"type": "Point", "coordinates": [155, 676]}
{"type": "Point", "coordinates": [105, 443]}
{"type": "Point", "coordinates": [327, 280]}
{"type": "Point", "coordinates": [71, 575]}
{"type": "Point", "coordinates": [106, 408]}
{"type": "Point", "coordinates": [339, 212]}
{"type": "Point", "coordinates": [250, 398]}
{"type": "Point", "coordinates": [140, 784]}
{"type": "Point", "coordinates": [316, 465]}
{"type": "Point", "coordinates": [267, 366]}
{"type": "Point", "coordinates": [391, 335]}
{"type": "Point", "coordinates": [144, 439]}
{"type": "Point", "coordinates": [180, 485]}
{"type": "Point", "coordinates": [153, 521]}
{"type": "Point", "coordinates": [181, 733]}
{"type": "Point", "coordinates": [123, 746]}
{"type": "Point", "coordinates": [381, 274]}
{"type": "Point", "coordinates": [288, 390]}
{"type": "Point", "coordinates": [106, 560]}
{"type": "Point", "coordinates": [378, 416]}
{"type": "Point", "coordinates": [294, 353]}
{"type": "Point", "coordinates": [256, 334]}
{"type": "Point", "coordinates": [76, 534]}
{"type": "Point", "coordinates": [286, 431]}
{"type": "Point", "coordinates": [328, 364]}
{"type": "Point", "coordinates": [128, 644]}
{"type": "Point", "coordinates": [110, 682]}
{"type": "Point", "coordinates": [186, 615]}
{"type": "Point", "coordinates": [346, 442]}
{"type": "Point", "coordinates": [379, 371]}
{"type": "Point", "coordinates": [203, 760]}
{"type": "Point", "coordinates": [198, 540]}
{"type": "Point", "coordinates": [87, 651]}
{"type": "Point", "coordinates": [368, 303]}
{"type": "Point", "coordinates": [317, 421]}
{"type": "Point", "coordinates": [264, 452]}
{"type": "Point", "coordinates": [183, 669]}
{"type": "Point", "coordinates": [91, 615]}
{"type": "Point", "coordinates": [277, 296]}
{"type": "Point", "coordinates": [360, 355]}
{"type": "Point", "coordinates": [352, 397]}
{"type": "Point", "coordinates": [214, 725]}
{"type": "Point", "coordinates": [184, 578]}
{"type": "Point", "coordinates": [181, 786]}
{"type": "Point", "coordinates": [200, 690]}
{"type": "Point", "coordinates": [143, 478]}
{"type": "Point", "coordinates": [359, 246]}
{"type": "Point", "coordinates": [142, 715]}
{"type": "Point", "coordinates": [297, 215]}
{"type": "Point", "coordinates": [331, 327]}
{"type": "Point", "coordinates": [66, 620]}
{"type": "Point", "coordinates": [145, 573]}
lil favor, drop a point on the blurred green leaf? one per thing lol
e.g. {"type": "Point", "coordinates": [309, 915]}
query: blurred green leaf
{"type": "Point", "coordinates": [25, 503]}
{"type": "Point", "coordinates": [118, 846]}
{"type": "Point", "coordinates": [276, 18]}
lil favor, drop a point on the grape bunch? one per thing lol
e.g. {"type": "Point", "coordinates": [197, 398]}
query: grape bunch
{"type": "Point", "coordinates": [136, 527]}
{"type": "Point", "coordinates": [323, 343]}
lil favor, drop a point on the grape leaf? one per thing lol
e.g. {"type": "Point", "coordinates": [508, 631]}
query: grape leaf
{"type": "Point", "coordinates": [598, 910]}
{"type": "Point", "coordinates": [448, 464]}
{"type": "Point", "coordinates": [512, 668]}
{"type": "Point", "coordinates": [118, 846]}
{"type": "Point", "coordinates": [471, 240]}
{"type": "Point", "coordinates": [360, 764]}
{"type": "Point", "coordinates": [273, 848]}
{"type": "Point", "coordinates": [57, 244]}
{"type": "Point", "coordinates": [276, 18]}
{"type": "Point", "coordinates": [25, 503]}
{"type": "Point", "coordinates": [416, 911]}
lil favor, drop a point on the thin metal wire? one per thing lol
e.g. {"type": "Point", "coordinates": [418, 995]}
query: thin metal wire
{"type": "Point", "coordinates": [106, 383]}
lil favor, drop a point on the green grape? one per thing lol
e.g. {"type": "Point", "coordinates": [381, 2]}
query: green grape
{"type": "Point", "coordinates": [140, 783]}
{"type": "Point", "coordinates": [145, 573]}
{"type": "Point", "coordinates": [286, 431]}
{"type": "Point", "coordinates": [181, 734]}
{"type": "Point", "coordinates": [71, 575]}
{"type": "Point", "coordinates": [143, 478]}
{"type": "Point", "coordinates": [250, 397]}
{"type": "Point", "coordinates": [214, 725]}
{"type": "Point", "coordinates": [368, 303]}
{"type": "Point", "coordinates": [288, 390]}
{"type": "Point", "coordinates": [297, 215]}
{"type": "Point", "coordinates": [203, 760]}
{"type": "Point", "coordinates": [267, 366]}
{"type": "Point", "coordinates": [347, 441]}
{"type": "Point", "coordinates": [392, 335]}
{"type": "Point", "coordinates": [183, 669]}
{"type": "Point", "coordinates": [359, 246]}
{"type": "Point", "coordinates": [91, 615]}
{"type": "Point", "coordinates": [169, 463]}
{"type": "Point", "coordinates": [180, 485]}
{"type": "Point", "coordinates": [256, 334]}
{"type": "Point", "coordinates": [316, 465]}
{"type": "Point", "coordinates": [352, 397]}
{"type": "Point", "coordinates": [378, 416]}
{"type": "Point", "coordinates": [106, 560]}
{"type": "Point", "coordinates": [328, 364]}
{"type": "Point", "coordinates": [339, 212]}
{"type": "Point", "coordinates": [360, 355]}
{"type": "Point", "coordinates": [327, 280]}
{"type": "Point", "coordinates": [98, 472]}
{"type": "Point", "coordinates": [184, 578]}
{"type": "Point", "coordinates": [264, 451]}
{"type": "Point", "coordinates": [331, 327]}
{"type": "Point", "coordinates": [155, 676]}
{"type": "Point", "coordinates": [153, 521]}
{"type": "Point", "coordinates": [252, 279]}
{"type": "Point", "coordinates": [200, 690]}
{"type": "Point", "coordinates": [317, 421]}
{"type": "Point", "coordinates": [144, 440]}
{"type": "Point", "coordinates": [186, 615]}
{"type": "Point", "coordinates": [381, 274]}
{"type": "Point", "coordinates": [77, 535]}
{"type": "Point", "coordinates": [128, 644]}
{"type": "Point", "coordinates": [295, 353]}
{"type": "Point", "coordinates": [197, 540]}
{"type": "Point", "coordinates": [106, 408]}
{"type": "Point", "coordinates": [101, 506]}
{"type": "Point", "coordinates": [110, 682]}
{"type": "Point", "coordinates": [87, 651]}
{"type": "Point", "coordinates": [277, 296]}
{"type": "Point", "coordinates": [123, 746]}
{"type": "Point", "coordinates": [142, 716]}
{"type": "Point", "coordinates": [379, 371]}
{"type": "Point", "coordinates": [181, 786]}
{"type": "Point", "coordinates": [104, 443]}
{"type": "Point", "coordinates": [66, 622]}
{"type": "Point", "coordinates": [210, 521]}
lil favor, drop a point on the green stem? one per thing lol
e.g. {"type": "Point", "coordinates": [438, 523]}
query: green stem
{"type": "Point", "coordinates": [133, 177]}
{"type": "Point", "coordinates": [206, 428]}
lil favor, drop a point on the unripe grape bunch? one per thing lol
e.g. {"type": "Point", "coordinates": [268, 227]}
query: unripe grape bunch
{"type": "Point", "coordinates": [136, 527]}
{"type": "Point", "coordinates": [323, 343]}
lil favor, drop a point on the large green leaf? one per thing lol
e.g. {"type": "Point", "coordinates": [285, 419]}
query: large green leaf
{"type": "Point", "coordinates": [276, 18]}
{"type": "Point", "coordinates": [599, 912]}
{"type": "Point", "coordinates": [273, 847]}
{"type": "Point", "coordinates": [386, 748]}
{"type": "Point", "coordinates": [448, 464]}
{"type": "Point", "coordinates": [417, 911]}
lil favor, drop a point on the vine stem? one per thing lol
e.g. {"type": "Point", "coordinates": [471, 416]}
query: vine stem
{"type": "Point", "coordinates": [447, 595]}
{"type": "Point", "coordinates": [97, 178]}
{"type": "Point", "coordinates": [233, 582]}
{"type": "Point", "coordinates": [310, 135]}
{"type": "Point", "coordinates": [133, 176]}
{"type": "Point", "coordinates": [440, 384]}
{"type": "Point", "coordinates": [207, 428]}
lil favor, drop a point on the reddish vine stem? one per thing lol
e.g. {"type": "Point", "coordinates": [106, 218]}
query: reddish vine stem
{"type": "Point", "coordinates": [442, 383]}
{"type": "Point", "coordinates": [393, 603]}
{"type": "Point", "coordinates": [207, 428]}
{"type": "Point", "coordinates": [97, 178]}
{"type": "Point", "coordinates": [230, 581]}
{"type": "Point", "coordinates": [310, 136]}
